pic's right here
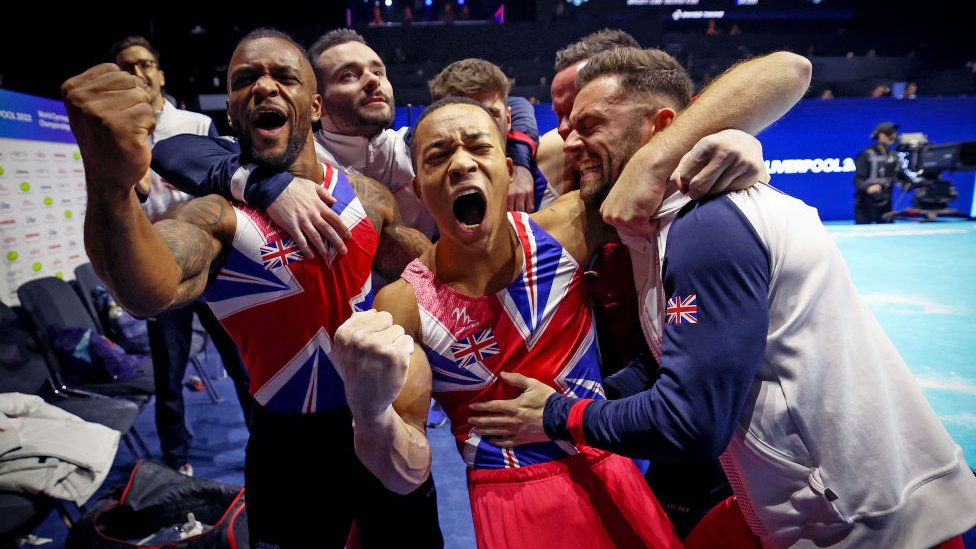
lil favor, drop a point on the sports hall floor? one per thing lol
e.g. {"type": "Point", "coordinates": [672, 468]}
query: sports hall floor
{"type": "Point", "coordinates": [919, 278]}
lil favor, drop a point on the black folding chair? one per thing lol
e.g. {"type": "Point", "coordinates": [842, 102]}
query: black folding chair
{"type": "Point", "coordinates": [88, 283]}
{"type": "Point", "coordinates": [51, 302]}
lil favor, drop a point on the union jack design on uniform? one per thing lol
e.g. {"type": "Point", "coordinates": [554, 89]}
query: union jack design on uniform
{"type": "Point", "coordinates": [282, 309]}
{"type": "Point", "coordinates": [682, 310]}
{"type": "Point", "coordinates": [279, 253]}
{"type": "Point", "coordinates": [538, 326]}
{"type": "Point", "coordinates": [474, 348]}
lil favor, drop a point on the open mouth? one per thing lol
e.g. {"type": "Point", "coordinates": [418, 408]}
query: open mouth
{"type": "Point", "coordinates": [269, 120]}
{"type": "Point", "coordinates": [469, 208]}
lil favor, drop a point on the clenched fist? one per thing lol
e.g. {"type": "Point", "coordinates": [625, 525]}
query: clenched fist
{"type": "Point", "coordinates": [373, 355]}
{"type": "Point", "coordinates": [111, 118]}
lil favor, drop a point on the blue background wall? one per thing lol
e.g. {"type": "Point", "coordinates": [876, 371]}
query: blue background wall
{"type": "Point", "coordinates": [839, 129]}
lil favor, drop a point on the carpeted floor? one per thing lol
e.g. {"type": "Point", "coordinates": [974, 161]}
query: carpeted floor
{"type": "Point", "coordinates": [918, 278]}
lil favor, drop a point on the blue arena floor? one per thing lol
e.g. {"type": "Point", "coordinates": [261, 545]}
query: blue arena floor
{"type": "Point", "coordinates": [917, 277]}
{"type": "Point", "coordinates": [919, 280]}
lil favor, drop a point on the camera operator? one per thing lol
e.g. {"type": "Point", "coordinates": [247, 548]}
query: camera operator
{"type": "Point", "coordinates": [878, 167]}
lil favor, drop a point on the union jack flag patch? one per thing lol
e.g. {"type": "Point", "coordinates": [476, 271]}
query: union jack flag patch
{"type": "Point", "coordinates": [682, 310]}
{"type": "Point", "coordinates": [279, 253]}
{"type": "Point", "coordinates": [474, 348]}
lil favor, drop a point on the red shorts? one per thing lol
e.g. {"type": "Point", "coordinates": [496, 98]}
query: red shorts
{"type": "Point", "coordinates": [592, 499]}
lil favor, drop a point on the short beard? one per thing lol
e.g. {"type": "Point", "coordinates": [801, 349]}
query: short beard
{"type": "Point", "coordinates": [276, 162]}
{"type": "Point", "coordinates": [371, 125]}
{"type": "Point", "coordinates": [594, 195]}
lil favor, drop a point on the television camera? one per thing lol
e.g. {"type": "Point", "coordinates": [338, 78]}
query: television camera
{"type": "Point", "coordinates": [927, 161]}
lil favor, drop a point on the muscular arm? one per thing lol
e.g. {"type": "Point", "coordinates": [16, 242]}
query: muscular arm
{"type": "Point", "coordinates": [399, 244]}
{"type": "Point", "coordinates": [389, 399]}
{"type": "Point", "coordinates": [749, 96]}
{"type": "Point", "coordinates": [161, 265]}
{"type": "Point", "coordinates": [579, 229]}
{"type": "Point", "coordinates": [111, 118]}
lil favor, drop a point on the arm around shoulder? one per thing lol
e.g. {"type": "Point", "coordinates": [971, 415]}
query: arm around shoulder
{"type": "Point", "coordinates": [399, 244]}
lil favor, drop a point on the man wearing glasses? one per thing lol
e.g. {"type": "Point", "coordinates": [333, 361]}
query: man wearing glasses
{"type": "Point", "coordinates": [171, 332]}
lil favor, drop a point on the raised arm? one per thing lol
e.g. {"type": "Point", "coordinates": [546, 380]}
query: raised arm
{"type": "Point", "coordinates": [399, 244]}
{"type": "Point", "coordinates": [201, 165]}
{"type": "Point", "coordinates": [111, 119]}
{"type": "Point", "coordinates": [388, 382]}
{"type": "Point", "coordinates": [749, 96]}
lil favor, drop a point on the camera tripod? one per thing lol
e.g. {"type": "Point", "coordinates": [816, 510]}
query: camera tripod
{"type": "Point", "coordinates": [929, 202]}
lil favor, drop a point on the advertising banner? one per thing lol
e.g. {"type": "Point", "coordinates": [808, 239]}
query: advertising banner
{"type": "Point", "coordinates": [42, 193]}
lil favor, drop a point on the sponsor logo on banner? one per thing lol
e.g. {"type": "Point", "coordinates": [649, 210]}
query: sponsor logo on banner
{"type": "Point", "coordinates": [28, 204]}
{"type": "Point", "coordinates": [60, 157]}
{"type": "Point", "coordinates": [70, 229]}
{"type": "Point", "coordinates": [32, 236]}
{"type": "Point", "coordinates": [37, 266]}
{"type": "Point", "coordinates": [57, 263]}
{"type": "Point", "coordinates": [72, 243]}
{"type": "Point", "coordinates": [64, 201]}
{"type": "Point", "coordinates": [34, 253]}
{"type": "Point", "coordinates": [64, 185]}
{"type": "Point", "coordinates": [7, 223]}
{"type": "Point", "coordinates": [12, 256]}
{"type": "Point", "coordinates": [74, 257]}
{"type": "Point", "coordinates": [48, 201]}
{"type": "Point", "coordinates": [5, 206]}
{"type": "Point", "coordinates": [19, 155]}
{"type": "Point", "coordinates": [30, 220]}
{"type": "Point", "coordinates": [24, 187]}
{"type": "Point", "coordinates": [43, 173]}
{"type": "Point", "coordinates": [50, 218]}
{"type": "Point", "coordinates": [54, 248]}
{"type": "Point", "coordinates": [52, 233]}
{"type": "Point", "coordinates": [40, 156]}
{"type": "Point", "coordinates": [4, 189]}
{"type": "Point", "coordinates": [8, 241]}
{"type": "Point", "coordinates": [21, 173]}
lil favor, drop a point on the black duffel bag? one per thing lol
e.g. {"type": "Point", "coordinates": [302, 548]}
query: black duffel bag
{"type": "Point", "coordinates": [159, 507]}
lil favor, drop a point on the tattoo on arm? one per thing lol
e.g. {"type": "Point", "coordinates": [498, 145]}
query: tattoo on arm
{"type": "Point", "coordinates": [377, 200]}
{"type": "Point", "coordinates": [197, 237]}
{"type": "Point", "coordinates": [398, 246]}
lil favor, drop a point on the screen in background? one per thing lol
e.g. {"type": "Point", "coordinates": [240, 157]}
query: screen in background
{"type": "Point", "coordinates": [679, 10]}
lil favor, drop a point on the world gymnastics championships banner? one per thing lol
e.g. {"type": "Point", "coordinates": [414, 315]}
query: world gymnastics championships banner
{"type": "Point", "coordinates": [42, 193]}
{"type": "Point", "coordinates": [810, 151]}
